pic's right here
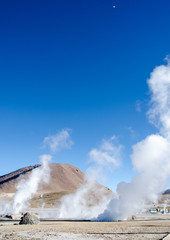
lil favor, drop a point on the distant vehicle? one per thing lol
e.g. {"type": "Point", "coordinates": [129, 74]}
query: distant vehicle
{"type": "Point", "coordinates": [153, 211]}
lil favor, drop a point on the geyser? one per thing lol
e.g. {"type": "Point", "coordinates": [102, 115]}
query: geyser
{"type": "Point", "coordinates": [26, 188]}
{"type": "Point", "coordinates": [150, 157]}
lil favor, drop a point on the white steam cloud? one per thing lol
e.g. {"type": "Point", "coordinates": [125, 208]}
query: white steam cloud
{"type": "Point", "coordinates": [104, 159]}
{"type": "Point", "coordinates": [86, 203]}
{"type": "Point", "coordinates": [107, 154]}
{"type": "Point", "coordinates": [90, 199]}
{"type": "Point", "coordinates": [150, 157]}
{"type": "Point", "coordinates": [61, 140]}
{"type": "Point", "coordinates": [159, 84]}
{"type": "Point", "coordinates": [26, 188]}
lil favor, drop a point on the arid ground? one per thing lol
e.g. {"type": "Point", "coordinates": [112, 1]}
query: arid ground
{"type": "Point", "coordinates": [144, 227]}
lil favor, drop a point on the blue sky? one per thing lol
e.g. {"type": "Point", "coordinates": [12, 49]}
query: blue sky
{"type": "Point", "coordinates": [81, 65]}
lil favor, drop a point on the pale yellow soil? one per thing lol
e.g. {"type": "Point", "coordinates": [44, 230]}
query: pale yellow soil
{"type": "Point", "coordinates": [135, 230]}
{"type": "Point", "coordinates": [6, 196]}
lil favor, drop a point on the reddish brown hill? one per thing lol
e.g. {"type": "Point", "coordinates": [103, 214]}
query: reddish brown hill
{"type": "Point", "coordinates": [64, 177]}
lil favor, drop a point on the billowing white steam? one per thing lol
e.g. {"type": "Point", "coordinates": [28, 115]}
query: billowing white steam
{"type": "Point", "coordinates": [159, 85]}
{"type": "Point", "coordinates": [150, 157]}
{"type": "Point", "coordinates": [26, 188]}
{"type": "Point", "coordinates": [86, 203]}
{"type": "Point", "coordinates": [91, 198]}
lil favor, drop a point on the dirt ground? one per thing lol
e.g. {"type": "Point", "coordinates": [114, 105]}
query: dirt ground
{"type": "Point", "coordinates": [152, 227]}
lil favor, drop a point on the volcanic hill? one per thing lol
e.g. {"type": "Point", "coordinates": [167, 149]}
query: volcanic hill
{"type": "Point", "coordinates": [64, 179]}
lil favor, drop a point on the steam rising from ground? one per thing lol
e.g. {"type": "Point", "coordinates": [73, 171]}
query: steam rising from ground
{"type": "Point", "coordinates": [150, 157]}
{"type": "Point", "coordinates": [26, 188]}
{"type": "Point", "coordinates": [86, 203]}
{"type": "Point", "coordinates": [91, 198]}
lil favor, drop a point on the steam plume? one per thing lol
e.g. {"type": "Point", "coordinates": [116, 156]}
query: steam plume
{"type": "Point", "coordinates": [90, 199]}
{"type": "Point", "coordinates": [86, 203]}
{"type": "Point", "coordinates": [150, 157]}
{"type": "Point", "coordinates": [159, 84]}
{"type": "Point", "coordinates": [26, 188]}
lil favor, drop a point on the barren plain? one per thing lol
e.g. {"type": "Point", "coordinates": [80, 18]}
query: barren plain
{"type": "Point", "coordinates": [144, 227]}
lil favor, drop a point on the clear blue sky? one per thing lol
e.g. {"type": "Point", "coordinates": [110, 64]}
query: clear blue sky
{"type": "Point", "coordinates": [81, 65]}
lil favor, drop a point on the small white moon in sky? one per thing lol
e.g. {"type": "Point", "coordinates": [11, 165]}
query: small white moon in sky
{"type": "Point", "coordinates": [114, 6]}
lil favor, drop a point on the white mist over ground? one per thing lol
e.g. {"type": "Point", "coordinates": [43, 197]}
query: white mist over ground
{"type": "Point", "coordinates": [86, 203]}
{"type": "Point", "coordinates": [26, 188]}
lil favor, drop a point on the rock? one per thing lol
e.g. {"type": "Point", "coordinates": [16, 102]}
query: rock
{"type": "Point", "coordinates": [29, 218]}
{"type": "Point", "coordinates": [9, 216]}
{"type": "Point", "coordinates": [13, 217]}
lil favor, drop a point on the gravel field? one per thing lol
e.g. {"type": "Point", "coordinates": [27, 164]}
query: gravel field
{"type": "Point", "coordinates": [145, 228]}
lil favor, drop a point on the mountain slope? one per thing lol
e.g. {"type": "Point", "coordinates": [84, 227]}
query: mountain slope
{"type": "Point", "coordinates": [64, 177]}
{"type": "Point", "coordinates": [167, 191]}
